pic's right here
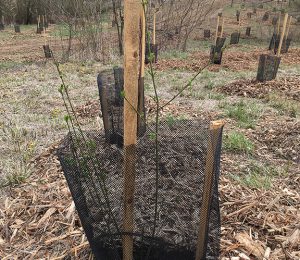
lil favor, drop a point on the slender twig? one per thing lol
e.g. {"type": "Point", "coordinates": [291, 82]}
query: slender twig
{"type": "Point", "coordinates": [71, 111]}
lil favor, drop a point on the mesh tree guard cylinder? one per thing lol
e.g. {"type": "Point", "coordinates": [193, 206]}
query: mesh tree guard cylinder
{"type": "Point", "coordinates": [273, 41]}
{"type": "Point", "coordinates": [248, 31]}
{"type": "Point", "coordinates": [94, 172]}
{"type": "Point", "coordinates": [238, 13]}
{"type": "Point", "coordinates": [266, 17]}
{"type": "Point", "coordinates": [286, 45]}
{"type": "Point", "coordinates": [275, 21]}
{"type": "Point", "coordinates": [235, 38]}
{"type": "Point", "coordinates": [17, 28]}
{"type": "Point", "coordinates": [206, 33]}
{"type": "Point", "coordinates": [267, 67]}
{"type": "Point", "coordinates": [216, 51]}
{"type": "Point", "coordinates": [47, 51]}
{"type": "Point", "coordinates": [111, 85]}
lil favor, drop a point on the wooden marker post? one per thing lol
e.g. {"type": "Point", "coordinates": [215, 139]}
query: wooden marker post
{"type": "Point", "coordinates": [38, 24]}
{"type": "Point", "coordinates": [44, 30]}
{"type": "Point", "coordinates": [131, 83]}
{"type": "Point", "coordinates": [44, 24]}
{"type": "Point", "coordinates": [222, 31]}
{"type": "Point", "coordinates": [216, 128]}
{"type": "Point", "coordinates": [217, 31]}
{"type": "Point", "coordinates": [278, 24]}
{"type": "Point", "coordinates": [141, 102]}
{"type": "Point", "coordinates": [282, 34]}
{"type": "Point", "coordinates": [154, 28]}
{"type": "Point", "coordinates": [288, 27]}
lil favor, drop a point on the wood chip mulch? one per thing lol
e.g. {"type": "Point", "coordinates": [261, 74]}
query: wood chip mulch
{"type": "Point", "coordinates": [288, 86]}
{"type": "Point", "coordinates": [38, 218]}
{"type": "Point", "coordinates": [232, 60]}
{"type": "Point", "coordinates": [282, 137]}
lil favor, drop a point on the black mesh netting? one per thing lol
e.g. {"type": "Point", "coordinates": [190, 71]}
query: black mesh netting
{"type": "Point", "coordinates": [93, 166]}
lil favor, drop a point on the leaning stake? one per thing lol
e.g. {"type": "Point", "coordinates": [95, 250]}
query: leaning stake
{"type": "Point", "coordinates": [217, 31]}
{"type": "Point", "coordinates": [222, 30]}
{"type": "Point", "coordinates": [288, 27]}
{"type": "Point", "coordinates": [141, 102]}
{"type": "Point", "coordinates": [282, 34]}
{"type": "Point", "coordinates": [131, 80]}
{"type": "Point", "coordinates": [214, 138]}
{"type": "Point", "coordinates": [154, 27]}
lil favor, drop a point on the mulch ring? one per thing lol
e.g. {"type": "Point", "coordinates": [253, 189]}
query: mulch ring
{"type": "Point", "coordinates": [287, 86]}
{"type": "Point", "coordinates": [232, 60]}
{"type": "Point", "coordinates": [280, 136]}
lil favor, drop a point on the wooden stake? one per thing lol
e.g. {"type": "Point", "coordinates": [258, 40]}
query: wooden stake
{"type": "Point", "coordinates": [282, 34]}
{"type": "Point", "coordinates": [288, 27]}
{"type": "Point", "coordinates": [131, 81]}
{"type": "Point", "coordinates": [141, 99]}
{"type": "Point", "coordinates": [278, 24]}
{"type": "Point", "coordinates": [44, 29]}
{"type": "Point", "coordinates": [217, 31]}
{"type": "Point", "coordinates": [215, 131]}
{"type": "Point", "coordinates": [39, 20]}
{"type": "Point", "coordinates": [222, 31]}
{"type": "Point", "coordinates": [143, 45]}
{"type": "Point", "coordinates": [154, 27]}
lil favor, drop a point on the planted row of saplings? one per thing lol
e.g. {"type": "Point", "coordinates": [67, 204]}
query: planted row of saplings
{"type": "Point", "coordinates": [280, 43]}
{"type": "Point", "coordinates": [268, 64]}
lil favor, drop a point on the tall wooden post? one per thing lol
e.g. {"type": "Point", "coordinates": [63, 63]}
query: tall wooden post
{"type": "Point", "coordinates": [38, 22]}
{"type": "Point", "coordinates": [44, 20]}
{"type": "Point", "coordinates": [141, 104]}
{"type": "Point", "coordinates": [132, 9]}
{"type": "Point", "coordinates": [222, 31]}
{"type": "Point", "coordinates": [288, 27]}
{"type": "Point", "coordinates": [154, 27]}
{"type": "Point", "coordinates": [44, 29]}
{"type": "Point", "coordinates": [282, 34]}
{"type": "Point", "coordinates": [217, 31]}
{"type": "Point", "coordinates": [278, 24]}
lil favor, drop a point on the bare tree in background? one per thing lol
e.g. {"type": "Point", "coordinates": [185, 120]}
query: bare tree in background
{"type": "Point", "coordinates": [119, 21]}
{"type": "Point", "coordinates": [179, 19]}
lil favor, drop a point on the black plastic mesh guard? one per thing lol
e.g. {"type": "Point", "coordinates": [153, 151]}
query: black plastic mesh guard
{"type": "Point", "coordinates": [94, 172]}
